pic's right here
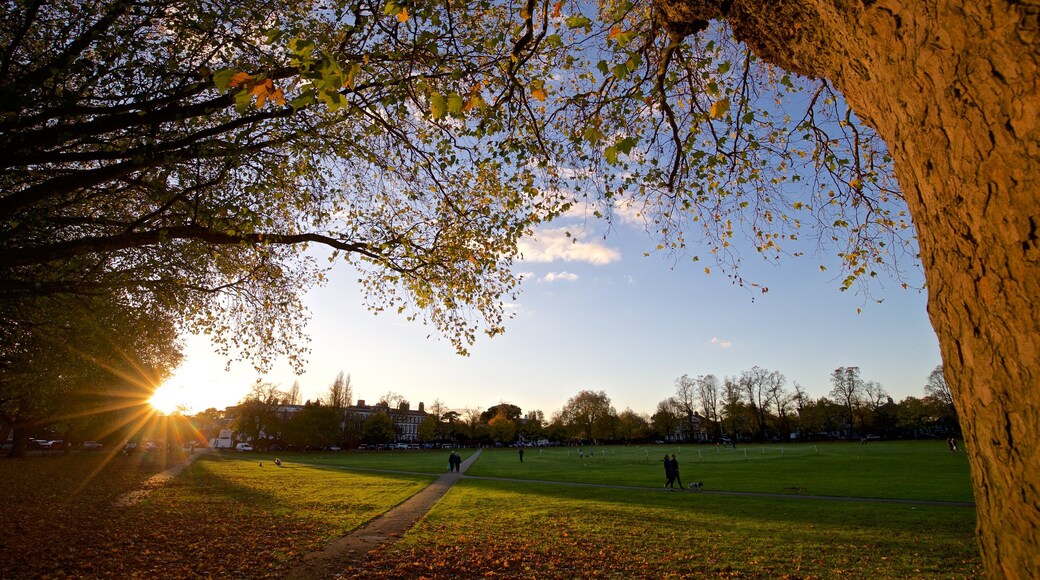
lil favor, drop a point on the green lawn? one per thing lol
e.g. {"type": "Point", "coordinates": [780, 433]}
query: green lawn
{"type": "Point", "coordinates": [433, 461]}
{"type": "Point", "coordinates": [537, 531]}
{"type": "Point", "coordinates": [226, 516]}
{"type": "Point", "coordinates": [903, 470]}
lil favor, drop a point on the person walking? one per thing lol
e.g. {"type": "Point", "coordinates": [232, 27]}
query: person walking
{"type": "Point", "coordinates": [521, 455]}
{"type": "Point", "coordinates": [668, 473]}
{"type": "Point", "coordinates": [675, 470]}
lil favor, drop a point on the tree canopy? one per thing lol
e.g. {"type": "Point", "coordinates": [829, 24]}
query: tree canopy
{"type": "Point", "coordinates": [192, 152]}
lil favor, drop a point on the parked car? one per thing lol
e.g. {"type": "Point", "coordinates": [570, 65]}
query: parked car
{"type": "Point", "coordinates": [91, 445]}
{"type": "Point", "coordinates": [54, 444]}
{"type": "Point", "coordinates": [244, 447]}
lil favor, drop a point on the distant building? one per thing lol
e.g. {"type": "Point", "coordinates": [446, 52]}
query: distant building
{"type": "Point", "coordinates": [405, 420]}
{"type": "Point", "coordinates": [690, 428]}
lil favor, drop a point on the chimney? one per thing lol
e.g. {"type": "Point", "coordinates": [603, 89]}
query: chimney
{"type": "Point", "coordinates": [360, 402]}
{"type": "Point", "coordinates": [421, 408]}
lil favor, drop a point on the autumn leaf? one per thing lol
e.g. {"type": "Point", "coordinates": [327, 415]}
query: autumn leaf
{"type": "Point", "coordinates": [719, 109]}
{"type": "Point", "coordinates": [239, 78]}
{"type": "Point", "coordinates": [474, 101]}
{"type": "Point", "coordinates": [538, 90]}
{"type": "Point", "coordinates": [402, 16]}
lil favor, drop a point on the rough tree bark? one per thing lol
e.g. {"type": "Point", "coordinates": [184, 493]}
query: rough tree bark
{"type": "Point", "coordinates": [952, 88]}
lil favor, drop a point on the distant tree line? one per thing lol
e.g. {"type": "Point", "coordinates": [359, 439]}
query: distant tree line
{"type": "Point", "coordinates": [758, 405]}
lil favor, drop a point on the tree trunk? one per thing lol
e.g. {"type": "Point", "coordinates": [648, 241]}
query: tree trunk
{"type": "Point", "coordinates": [952, 88]}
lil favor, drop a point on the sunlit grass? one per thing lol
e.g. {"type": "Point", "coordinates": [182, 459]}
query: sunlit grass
{"type": "Point", "coordinates": [433, 461]}
{"type": "Point", "coordinates": [223, 517]}
{"type": "Point", "coordinates": [548, 531]}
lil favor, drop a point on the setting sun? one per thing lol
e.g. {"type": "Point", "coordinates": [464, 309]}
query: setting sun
{"type": "Point", "coordinates": [168, 399]}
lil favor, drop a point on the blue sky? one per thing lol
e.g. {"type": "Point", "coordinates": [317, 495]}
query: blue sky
{"type": "Point", "coordinates": [600, 315]}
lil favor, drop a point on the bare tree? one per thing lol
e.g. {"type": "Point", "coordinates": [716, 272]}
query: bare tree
{"type": "Point", "coordinates": [754, 384]}
{"type": "Point", "coordinates": [874, 395]}
{"type": "Point", "coordinates": [937, 388]}
{"type": "Point", "coordinates": [392, 400]}
{"type": "Point", "coordinates": [686, 392]}
{"type": "Point", "coordinates": [340, 392]}
{"type": "Point", "coordinates": [708, 391]}
{"type": "Point", "coordinates": [779, 398]}
{"type": "Point", "coordinates": [733, 406]}
{"type": "Point", "coordinates": [293, 396]}
{"type": "Point", "coordinates": [847, 390]}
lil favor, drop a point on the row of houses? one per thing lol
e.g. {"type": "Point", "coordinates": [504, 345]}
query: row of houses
{"type": "Point", "coordinates": [405, 419]}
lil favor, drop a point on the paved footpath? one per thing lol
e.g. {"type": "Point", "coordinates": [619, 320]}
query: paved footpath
{"type": "Point", "coordinates": [380, 531]}
{"type": "Point", "coordinates": [154, 482]}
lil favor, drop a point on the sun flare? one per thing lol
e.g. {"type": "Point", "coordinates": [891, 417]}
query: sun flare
{"type": "Point", "coordinates": [168, 399]}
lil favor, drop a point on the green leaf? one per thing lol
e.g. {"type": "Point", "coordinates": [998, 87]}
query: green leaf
{"type": "Point", "coordinates": [625, 145]}
{"type": "Point", "coordinates": [243, 99]}
{"type": "Point", "coordinates": [301, 47]}
{"type": "Point", "coordinates": [222, 77]}
{"type": "Point", "coordinates": [578, 21]}
{"type": "Point", "coordinates": [593, 135]}
{"type": "Point", "coordinates": [611, 154]}
{"type": "Point", "coordinates": [438, 106]}
{"type": "Point", "coordinates": [455, 103]}
{"type": "Point", "coordinates": [302, 101]}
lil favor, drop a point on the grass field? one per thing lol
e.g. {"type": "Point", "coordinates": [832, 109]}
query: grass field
{"type": "Point", "coordinates": [484, 527]}
{"type": "Point", "coordinates": [227, 517]}
{"type": "Point", "coordinates": [223, 517]}
{"type": "Point", "coordinates": [423, 461]}
{"type": "Point", "coordinates": [906, 470]}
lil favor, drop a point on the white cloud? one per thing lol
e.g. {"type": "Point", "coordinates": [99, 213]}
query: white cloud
{"type": "Point", "coordinates": [550, 245]}
{"type": "Point", "coordinates": [554, 276]}
{"type": "Point", "coordinates": [721, 343]}
{"type": "Point", "coordinates": [632, 212]}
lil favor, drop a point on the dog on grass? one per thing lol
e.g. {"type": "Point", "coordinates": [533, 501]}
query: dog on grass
{"type": "Point", "coordinates": [696, 485]}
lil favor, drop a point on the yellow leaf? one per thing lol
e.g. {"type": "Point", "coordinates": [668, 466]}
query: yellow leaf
{"type": "Point", "coordinates": [402, 16]}
{"type": "Point", "coordinates": [707, 270]}
{"type": "Point", "coordinates": [539, 94]}
{"type": "Point", "coordinates": [615, 32]}
{"type": "Point", "coordinates": [719, 109]}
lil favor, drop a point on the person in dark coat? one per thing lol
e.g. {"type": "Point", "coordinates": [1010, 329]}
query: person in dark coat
{"type": "Point", "coordinates": [669, 474]}
{"type": "Point", "coordinates": [521, 455]}
{"type": "Point", "coordinates": [675, 470]}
